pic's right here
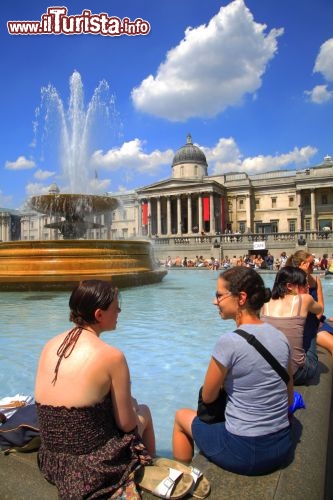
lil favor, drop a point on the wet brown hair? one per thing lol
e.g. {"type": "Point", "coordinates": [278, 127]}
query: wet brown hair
{"type": "Point", "coordinates": [88, 296]}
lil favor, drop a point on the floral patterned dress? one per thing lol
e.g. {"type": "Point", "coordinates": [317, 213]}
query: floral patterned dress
{"type": "Point", "coordinates": [85, 455]}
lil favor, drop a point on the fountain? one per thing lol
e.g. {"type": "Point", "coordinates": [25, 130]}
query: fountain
{"type": "Point", "coordinates": [59, 264]}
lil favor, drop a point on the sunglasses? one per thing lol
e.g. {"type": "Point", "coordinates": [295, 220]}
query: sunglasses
{"type": "Point", "coordinates": [221, 296]}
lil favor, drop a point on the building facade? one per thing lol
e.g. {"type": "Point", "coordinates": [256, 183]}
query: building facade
{"type": "Point", "coordinates": [193, 202]}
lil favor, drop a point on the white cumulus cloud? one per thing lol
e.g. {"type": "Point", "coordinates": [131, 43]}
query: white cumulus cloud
{"type": "Point", "coordinates": [98, 186]}
{"type": "Point", "coordinates": [324, 61]}
{"type": "Point", "coordinates": [319, 94]}
{"type": "Point", "coordinates": [35, 188]}
{"type": "Point", "coordinates": [226, 157]}
{"type": "Point", "coordinates": [213, 67]}
{"type": "Point", "coordinates": [132, 156]}
{"type": "Point", "coordinates": [43, 174]}
{"type": "Point", "coordinates": [22, 163]}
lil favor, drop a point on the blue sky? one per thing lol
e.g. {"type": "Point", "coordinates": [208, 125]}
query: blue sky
{"type": "Point", "coordinates": [252, 81]}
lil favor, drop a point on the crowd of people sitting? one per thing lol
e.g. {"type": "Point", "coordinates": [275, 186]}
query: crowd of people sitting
{"type": "Point", "coordinates": [254, 261]}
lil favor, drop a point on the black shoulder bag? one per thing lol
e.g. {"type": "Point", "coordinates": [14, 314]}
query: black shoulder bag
{"type": "Point", "coordinates": [211, 413]}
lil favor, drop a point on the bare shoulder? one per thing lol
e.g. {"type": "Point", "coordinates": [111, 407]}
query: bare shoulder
{"type": "Point", "coordinates": [54, 342]}
{"type": "Point", "coordinates": [110, 351]}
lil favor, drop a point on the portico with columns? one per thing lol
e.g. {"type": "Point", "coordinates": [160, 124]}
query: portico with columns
{"type": "Point", "coordinates": [168, 210]}
{"type": "Point", "coordinates": [188, 203]}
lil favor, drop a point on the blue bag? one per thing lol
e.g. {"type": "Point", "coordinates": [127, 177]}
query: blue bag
{"type": "Point", "coordinates": [21, 431]}
{"type": "Point", "coordinates": [298, 403]}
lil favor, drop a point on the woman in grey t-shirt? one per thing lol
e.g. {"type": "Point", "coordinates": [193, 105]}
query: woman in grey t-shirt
{"type": "Point", "coordinates": [255, 437]}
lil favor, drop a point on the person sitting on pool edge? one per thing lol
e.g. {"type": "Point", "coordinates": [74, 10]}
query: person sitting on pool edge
{"type": "Point", "coordinates": [94, 435]}
{"type": "Point", "coordinates": [255, 437]}
{"type": "Point", "coordinates": [288, 310]}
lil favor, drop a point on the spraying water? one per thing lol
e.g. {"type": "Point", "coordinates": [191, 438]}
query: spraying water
{"type": "Point", "coordinates": [75, 128]}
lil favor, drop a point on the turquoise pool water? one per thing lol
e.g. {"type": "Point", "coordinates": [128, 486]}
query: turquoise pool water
{"type": "Point", "coordinates": [166, 330]}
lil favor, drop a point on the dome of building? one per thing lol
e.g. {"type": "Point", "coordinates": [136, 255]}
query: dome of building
{"type": "Point", "coordinates": [53, 189]}
{"type": "Point", "coordinates": [189, 154]}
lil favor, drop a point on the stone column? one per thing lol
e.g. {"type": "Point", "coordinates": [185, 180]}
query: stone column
{"type": "Point", "coordinates": [168, 216]}
{"type": "Point", "coordinates": [158, 201]}
{"type": "Point", "coordinates": [189, 214]}
{"type": "Point", "coordinates": [200, 213]}
{"type": "Point", "coordinates": [300, 210]}
{"type": "Point", "coordinates": [211, 214]}
{"type": "Point", "coordinates": [139, 217]}
{"type": "Point", "coordinates": [179, 216]}
{"type": "Point", "coordinates": [149, 218]}
{"type": "Point", "coordinates": [248, 213]}
{"type": "Point", "coordinates": [313, 210]}
{"type": "Point", "coordinates": [5, 228]}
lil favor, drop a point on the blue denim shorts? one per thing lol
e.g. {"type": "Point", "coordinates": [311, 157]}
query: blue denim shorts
{"type": "Point", "coordinates": [242, 454]}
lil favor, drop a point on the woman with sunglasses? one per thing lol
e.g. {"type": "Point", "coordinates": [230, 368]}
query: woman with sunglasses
{"type": "Point", "coordinates": [94, 435]}
{"type": "Point", "coordinates": [255, 437]}
{"type": "Point", "coordinates": [288, 310]}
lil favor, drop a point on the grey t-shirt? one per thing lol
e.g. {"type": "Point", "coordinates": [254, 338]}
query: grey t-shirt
{"type": "Point", "coordinates": [258, 399]}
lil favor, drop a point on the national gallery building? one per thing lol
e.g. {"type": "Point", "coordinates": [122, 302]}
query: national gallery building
{"type": "Point", "coordinates": [192, 203]}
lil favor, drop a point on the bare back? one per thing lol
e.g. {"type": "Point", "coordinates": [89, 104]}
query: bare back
{"type": "Point", "coordinates": [291, 305]}
{"type": "Point", "coordinates": [84, 377]}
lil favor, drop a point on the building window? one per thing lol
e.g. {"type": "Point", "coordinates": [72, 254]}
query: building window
{"type": "Point", "coordinates": [258, 226]}
{"type": "Point", "coordinates": [181, 171]}
{"type": "Point", "coordinates": [241, 204]}
{"type": "Point", "coordinates": [273, 202]}
{"type": "Point", "coordinates": [196, 170]}
{"type": "Point", "coordinates": [125, 232]}
{"type": "Point", "coordinates": [114, 215]}
{"type": "Point", "coordinates": [292, 225]}
{"type": "Point", "coordinates": [307, 225]}
{"type": "Point", "coordinates": [257, 203]}
{"type": "Point", "coordinates": [124, 214]}
{"type": "Point", "coordinates": [291, 201]}
{"type": "Point", "coordinates": [274, 226]}
{"type": "Point", "coordinates": [242, 226]}
{"type": "Point", "coordinates": [324, 199]}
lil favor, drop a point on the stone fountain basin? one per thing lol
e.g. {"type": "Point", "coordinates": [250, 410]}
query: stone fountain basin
{"type": "Point", "coordinates": [73, 204]}
{"type": "Point", "coordinates": [60, 264]}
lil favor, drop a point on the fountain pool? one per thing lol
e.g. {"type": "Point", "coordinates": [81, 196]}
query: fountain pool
{"type": "Point", "coordinates": [167, 332]}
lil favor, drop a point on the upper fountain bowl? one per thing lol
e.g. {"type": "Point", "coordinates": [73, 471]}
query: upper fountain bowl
{"type": "Point", "coordinates": [71, 205]}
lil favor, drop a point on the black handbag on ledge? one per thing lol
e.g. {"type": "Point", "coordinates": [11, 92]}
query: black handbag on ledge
{"type": "Point", "coordinates": [212, 413]}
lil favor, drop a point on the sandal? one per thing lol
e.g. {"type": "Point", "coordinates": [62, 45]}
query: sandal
{"type": "Point", "coordinates": [200, 487]}
{"type": "Point", "coordinates": [163, 482]}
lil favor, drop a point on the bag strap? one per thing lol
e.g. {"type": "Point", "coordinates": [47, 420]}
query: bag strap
{"type": "Point", "coordinates": [251, 339]}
